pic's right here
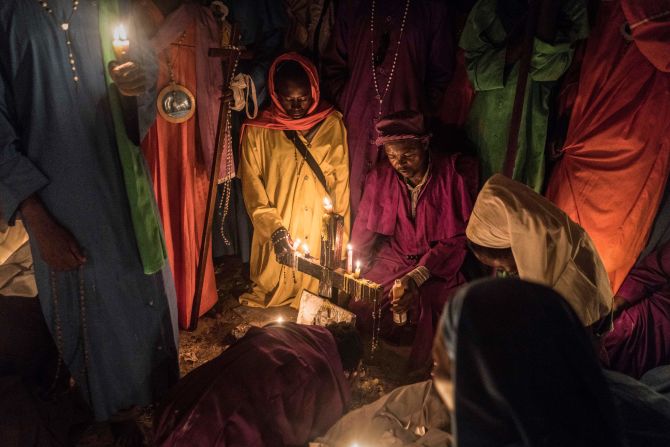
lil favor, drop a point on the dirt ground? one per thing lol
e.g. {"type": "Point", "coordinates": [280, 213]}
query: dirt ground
{"type": "Point", "coordinates": [229, 320]}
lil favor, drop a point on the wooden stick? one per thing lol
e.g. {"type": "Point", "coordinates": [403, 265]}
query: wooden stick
{"type": "Point", "coordinates": [205, 249]}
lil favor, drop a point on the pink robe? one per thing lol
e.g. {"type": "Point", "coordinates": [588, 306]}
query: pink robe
{"type": "Point", "coordinates": [435, 239]}
{"type": "Point", "coordinates": [422, 71]}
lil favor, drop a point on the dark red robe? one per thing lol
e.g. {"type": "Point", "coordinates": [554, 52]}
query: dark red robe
{"type": "Point", "coordinates": [279, 385]}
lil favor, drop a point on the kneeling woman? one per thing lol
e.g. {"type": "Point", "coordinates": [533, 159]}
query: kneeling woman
{"type": "Point", "coordinates": [514, 229]}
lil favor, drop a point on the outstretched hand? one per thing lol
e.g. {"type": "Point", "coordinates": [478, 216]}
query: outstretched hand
{"type": "Point", "coordinates": [129, 77]}
{"type": "Point", "coordinates": [57, 246]}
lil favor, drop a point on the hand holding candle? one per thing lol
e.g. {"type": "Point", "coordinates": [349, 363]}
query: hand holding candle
{"type": "Point", "coordinates": [121, 44]}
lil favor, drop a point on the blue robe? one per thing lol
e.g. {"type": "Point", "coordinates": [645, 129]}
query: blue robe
{"type": "Point", "coordinates": [57, 141]}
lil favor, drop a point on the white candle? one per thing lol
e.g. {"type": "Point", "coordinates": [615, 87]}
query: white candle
{"type": "Point", "coordinates": [327, 205]}
{"type": "Point", "coordinates": [296, 244]}
{"type": "Point", "coordinates": [350, 258]}
{"type": "Point", "coordinates": [121, 44]}
{"type": "Point", "coordinates": [305, 250]}
{"type": "Point", "coordinates": [357, 273]}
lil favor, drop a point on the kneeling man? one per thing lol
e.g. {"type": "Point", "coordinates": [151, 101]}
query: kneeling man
{"type": "Point", "coordinates": [411, 227]}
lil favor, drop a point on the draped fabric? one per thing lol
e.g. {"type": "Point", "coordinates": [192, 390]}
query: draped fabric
{"type": "Point", "coordinates": [17, 276]}
{"type": "Point", "coordinates": [57, 140]}
{"type": "Point", "coordinates": [485, 41]}
{"type": "Point", "coordinates": [640, 339]}
{"type": "Point", "coordinates": [524, 370]}
{"type": "Point", "coordinates": [281, 190]}
{"type": "Point", "coordinates": [548, 247]}
{"type": "Point", "coordinates": [275, 117]}
{"type": "Point", "coordinates": [281, 385]}
{"type": "Point", "coordinates": [418, 77]}
{"type": "Point", "coordinates": [391, 243]}
{"type": "Point", "coordinates": [616, 157]}
{"type": "Point", "coordinates": [176, 153]}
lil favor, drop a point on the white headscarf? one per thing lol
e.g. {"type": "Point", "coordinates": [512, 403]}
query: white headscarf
{"type": "Point", "coordinates": [547, 246]}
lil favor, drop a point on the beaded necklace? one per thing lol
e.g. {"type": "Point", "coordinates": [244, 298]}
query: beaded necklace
{"type": "Point", "coordinates": [83, 329]}
{"type": "Point", "coordinates": [380, 96]}
{"type": "Point", "coordinates": [65, 26]}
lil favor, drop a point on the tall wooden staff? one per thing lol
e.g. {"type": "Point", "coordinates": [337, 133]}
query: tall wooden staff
{"type": "Point", "coordinates": [522, 81]}
{"type": "Point", "coordinates": [229, 56]}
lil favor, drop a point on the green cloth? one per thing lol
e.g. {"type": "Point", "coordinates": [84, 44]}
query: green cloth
{"type": "Point", "coordinates": [143, 212]}
{"type": "Point", "coordinates": [484, 41]}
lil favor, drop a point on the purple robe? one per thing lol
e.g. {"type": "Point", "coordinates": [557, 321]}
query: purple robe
{"type": "Point", "coordinates": [391, 243]}
{"type": "Point", "coordinates": [640, 339]}
{"type": "Point", "coordinates": [422, 71]}
{"type": "Point", "coordinates": [279, 385]}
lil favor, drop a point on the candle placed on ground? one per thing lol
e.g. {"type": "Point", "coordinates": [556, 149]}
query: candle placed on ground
{"type": "Point", "coordinates": [121, 44]}
{"type": "Point", "coordinates": [350, 258]}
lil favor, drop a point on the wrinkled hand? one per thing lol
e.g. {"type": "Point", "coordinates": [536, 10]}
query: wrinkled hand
{"type": "Point", "coordinates": [401, 305]}
{"type": "Point", "coordinates": [129, 77]}
{"type": "Point", "coordinates": [57, 246]}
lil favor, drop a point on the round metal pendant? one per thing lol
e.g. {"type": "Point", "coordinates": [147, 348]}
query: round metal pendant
{"type": "Point", "coordinates": [176, 103]}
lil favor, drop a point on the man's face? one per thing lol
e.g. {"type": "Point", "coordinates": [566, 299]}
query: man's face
{"type": "Point", "coordinates": [504, 263]}
{"type": "Point", "coordinates": [295, 98]}
{"type": "Point", "coordinates": [408, 158]}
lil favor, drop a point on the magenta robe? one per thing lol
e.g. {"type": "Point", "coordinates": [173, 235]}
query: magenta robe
{"type": "Point", "coordinates": [279, 385]}
{"type": "Point", "coordinates": [640, 340]}
{"type": "Point", "coordinates": [435, 238]}
{"type": "Point", "coordinates": [423, 69]}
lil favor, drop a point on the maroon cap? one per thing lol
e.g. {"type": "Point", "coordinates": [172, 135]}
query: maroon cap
{"type": "Point", "coordinates": [404, 125]}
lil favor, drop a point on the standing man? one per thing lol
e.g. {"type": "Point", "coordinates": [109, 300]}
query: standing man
{"type": "Point", "coordinates": [69, 168]}
{"type": "Point", "coordinates": [411, 227]}
{"type": "Point", "coordinates": [385, 56]}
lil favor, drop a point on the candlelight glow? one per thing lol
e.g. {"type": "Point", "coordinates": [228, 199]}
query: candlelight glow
{"type": "Point", "coordinates": [280, 320]}
{"type": "Point", "coordinates": [358, 265]}
{"type": "Point", "coordinates": [296, 244]}
{"type": "Point", "coordinates": [120, 33]}
{"type": "Point", "coordinates": [121, 44]}
{"type": "Point", "coordinates": [349, 247]}
{"type": "Point", "coordinates": [305, 249]}
{"type": "Point", "coordinates": [327, 204]}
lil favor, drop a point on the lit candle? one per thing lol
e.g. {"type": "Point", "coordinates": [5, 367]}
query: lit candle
{"type": "Point", "coordinates": [296, 244]}
{"type": "Point", "coordinates": [305, 250]}
{"type": "Point", "coordinates": [121, 44]}
{"type": "Point", "coordinates": [350, 258]}
{"type": "Point", "coordinates": [357, 273]}
{"type": "Point", "coordinates": [280, 320]}
{"type": "Point", "coordinates": [327, 205]}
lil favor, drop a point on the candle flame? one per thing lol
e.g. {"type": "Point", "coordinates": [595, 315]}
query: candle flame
{"type": "Point", "coordinates": [296, 244]}
{"type": "Point", "coordinates": [120, 33]}
{"type": "Point", "coordinates": [327, 204]}
{"type": "Point", "coordinates": [350, 247]}
{"type": "Point", "coordinates": [358, 264]}
{"type": "Point", "coordinates": [305, 249]}
{"type": "Point", "coordinates": [280, 320]}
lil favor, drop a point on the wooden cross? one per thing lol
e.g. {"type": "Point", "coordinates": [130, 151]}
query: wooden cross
{"type": "Point", "coordinates": [228, 54]}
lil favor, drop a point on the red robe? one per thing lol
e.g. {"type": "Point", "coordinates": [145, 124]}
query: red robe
{"type": "Point", "coordinates": [617, 153]}
{"type": "Point", "coordinates": [177, 164]}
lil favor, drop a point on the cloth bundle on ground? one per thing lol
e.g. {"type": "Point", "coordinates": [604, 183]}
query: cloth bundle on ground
{"type": "Point", "coordinates": [278, 385]}
{"type": "Point", "coordinates": [548, 247]}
